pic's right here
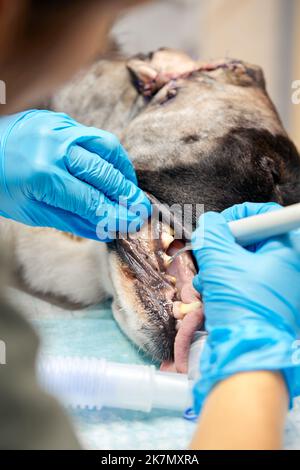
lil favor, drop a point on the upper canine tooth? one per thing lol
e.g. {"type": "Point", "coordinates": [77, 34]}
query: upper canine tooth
{"type": "Point", "coordinates": [166, 240]}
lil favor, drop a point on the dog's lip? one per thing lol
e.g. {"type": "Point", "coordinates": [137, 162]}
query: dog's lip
{"type": "Point", "coordinates": [143, 262]}
{"type": "Point", "coordinates": [141, 266]}
{"type": "Point", "coordinates": [147, 276]}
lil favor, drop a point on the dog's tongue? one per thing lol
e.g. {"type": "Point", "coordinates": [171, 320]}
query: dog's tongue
{"type": "Point", "coordinates": [184, 270]}
{"type": "Point", "coordinates": [189, 325]}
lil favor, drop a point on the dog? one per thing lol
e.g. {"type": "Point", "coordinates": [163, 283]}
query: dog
{"type": "Point", "coordinates": [197, 133]}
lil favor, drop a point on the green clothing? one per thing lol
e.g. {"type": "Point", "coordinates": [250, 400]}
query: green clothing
{"type": "Point", "coordinates": [29, 418]}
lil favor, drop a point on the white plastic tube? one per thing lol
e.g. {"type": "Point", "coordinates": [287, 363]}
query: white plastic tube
{"type": "Point", "coordinates": [96, 383]}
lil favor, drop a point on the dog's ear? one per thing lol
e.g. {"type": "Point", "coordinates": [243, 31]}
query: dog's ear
{"type": "Point", "coordinates": [143, 75]}
{"type": "Point", "coordinates": [151, 72]}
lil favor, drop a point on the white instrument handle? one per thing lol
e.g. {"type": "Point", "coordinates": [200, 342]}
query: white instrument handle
{"type": "Point", "coordinates": [260, 227]}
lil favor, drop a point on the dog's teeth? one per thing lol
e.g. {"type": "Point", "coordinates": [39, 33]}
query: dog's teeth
{"type": "Point", "coordinates": [176, 310]}
{"type": "Point", "coordinates": [172, 279]}
{"type": "Point", "coordinates": [187, 308]}
{"type": "Point", "coordinates": [180, 309]}
{"type": "Point", "coordinates": [167, 259]}
{"type": "Point", "coordinates": [178, 324]}
{"type": "Point", "coordinates": [166, 240]}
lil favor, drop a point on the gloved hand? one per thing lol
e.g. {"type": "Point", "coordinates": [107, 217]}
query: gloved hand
{"type": "Point", "coordinates": [55, 172]}
{"type": "Point", "coordinates": [251, 302]}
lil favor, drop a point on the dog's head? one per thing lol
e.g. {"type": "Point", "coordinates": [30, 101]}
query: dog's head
{"type": "Point", "coordinates": [198, 133]}
{"type": "Point", "coordinates": [207, 134]}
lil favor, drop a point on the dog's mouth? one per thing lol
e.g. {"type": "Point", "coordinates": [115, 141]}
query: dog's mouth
{"type": "Point", "coordinates": [170, 306]}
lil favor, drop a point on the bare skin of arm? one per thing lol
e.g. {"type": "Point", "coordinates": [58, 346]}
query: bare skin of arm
{"type": "Point", "coordinates": [245, 411]}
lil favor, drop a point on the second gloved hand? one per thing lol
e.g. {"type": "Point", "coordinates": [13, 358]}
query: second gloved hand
{"type": "Point", "coordinates": [55, 172]}
{"type": "Point", "coordinates": [251, 302]}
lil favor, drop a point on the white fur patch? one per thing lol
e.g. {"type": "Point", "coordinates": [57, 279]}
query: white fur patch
{"type": "Point", "coordinates": [52, 263]}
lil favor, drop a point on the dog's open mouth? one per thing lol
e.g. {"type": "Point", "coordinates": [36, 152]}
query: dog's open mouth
{"type": "Point", "coordinates": [169, 304]}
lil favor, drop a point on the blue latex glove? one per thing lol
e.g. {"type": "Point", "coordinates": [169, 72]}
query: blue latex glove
{"type": "Point", "coordinates": [251, 302]}
{"type": "Point", "coordinates": [55, 172]}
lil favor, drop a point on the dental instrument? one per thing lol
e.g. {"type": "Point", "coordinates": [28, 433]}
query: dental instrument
{"type": "Point", "coordinates": [258, 227]}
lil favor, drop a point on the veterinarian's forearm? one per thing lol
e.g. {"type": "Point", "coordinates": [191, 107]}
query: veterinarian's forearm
{"type": "Point", "coordinates": [246, 411]}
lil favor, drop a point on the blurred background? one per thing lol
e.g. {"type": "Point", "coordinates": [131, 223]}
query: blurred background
{"type": "Point", "coordinates": [264, 32]}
